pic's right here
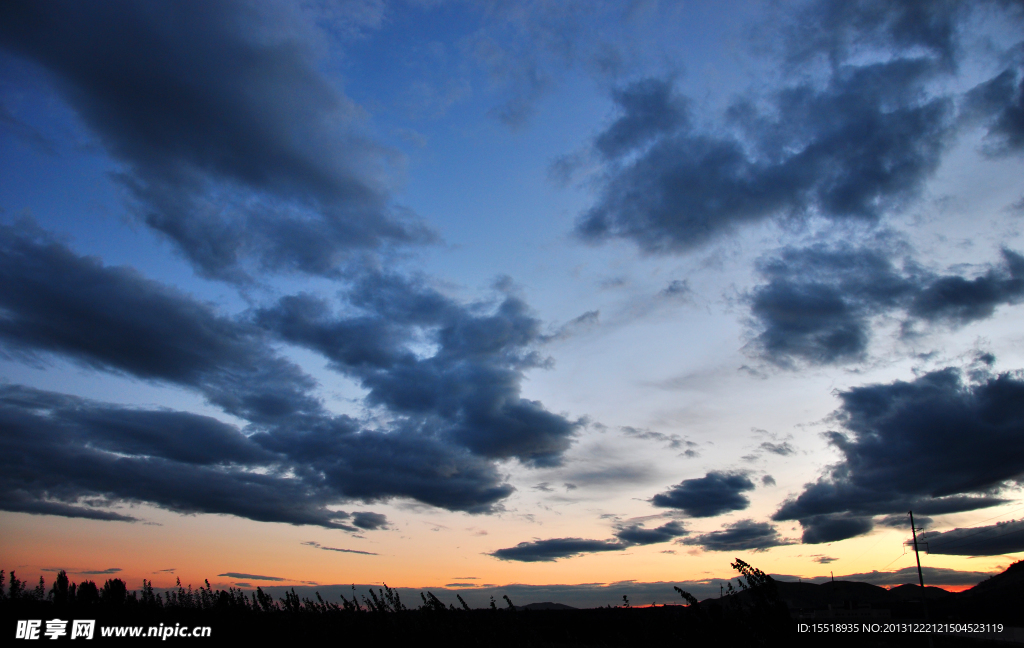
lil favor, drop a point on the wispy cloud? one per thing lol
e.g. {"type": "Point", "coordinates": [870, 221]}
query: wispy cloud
{"type": "Point", "coordinates": [352, 551]}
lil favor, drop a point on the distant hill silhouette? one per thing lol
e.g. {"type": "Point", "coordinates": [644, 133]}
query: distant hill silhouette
{"type": "Point", "coordinates": [910, 591]}
{"type": "Point", "coordinates": [1013, 577]}
{"type": "Point", "coordinates": [546, 605]}
{"type": "Point", "coordinates": [999, 599]}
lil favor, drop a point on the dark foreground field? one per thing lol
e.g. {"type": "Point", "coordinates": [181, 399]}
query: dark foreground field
{"type": "Point", "coordinates": [760, 611]}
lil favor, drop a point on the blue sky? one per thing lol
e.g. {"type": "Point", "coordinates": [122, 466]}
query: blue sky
{"type": "Point", "coordinates": [544, 293]}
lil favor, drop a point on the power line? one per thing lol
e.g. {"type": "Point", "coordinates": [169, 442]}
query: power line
{"type": "Point", "coordinates": [895, 559]}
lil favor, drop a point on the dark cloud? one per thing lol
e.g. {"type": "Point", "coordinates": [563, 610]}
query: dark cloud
{"type": "Point", "coordinates": [576, 325]}
{"type": "Point", "coordinates": [526, 49]}
{"type": "Point", "coordinates": [995, 540]}
{"type": "Point", "coordinates": [369, 520]}
{"type": "Point", "coordinates": [835, 29]}
{"type": "Point", "coordinates": [649, 109]}
{"type": "Point", "coordinates": [854, 133]}
{"type": "Point", "coordinates": [21, 501]}
{"type": "Point", "coordinates": [252, 576]}
{"type": "Point", "coordinates": [938, 444]}
{"type": "Point", "coordinates": [999, 103]}
{"type": "Point", "coordinates": [783, 449]}
{"type": "Point", "coordinates": [818, 302]}
{"type": "Point", "coordinates": [831, 528]}
{"type": "Point", "coordinates": [673, 441]}
{"type": "Point", "coordinates": [555, 548]}
{"type": "Point", "coordinates": [51, 465]}
{"type": "Point", "coordinates": [861, 145]}
{"type": "Point", "coordinates": [452, 413]}
{"type": "Point", "coordinates": [677, 289]}
{"type": "Point", "coordinates": [825, 560]}
{"type": "Point", "coordinates": [635, 534]}
{"type": "Point", "coordinates": [234, 145]}
{"type": "Point", "coordinates": [897, 521]}
{"type": "Point", "coordinates": [351, 551]}
{"type": "Point", "coordinates": [744, 535]}
{"type": "Point", "coordinates": [57, 302]}
{"type": "Point", "coordinates": [713, 494]}
{"type": "Point", "coordinates": [468, 390]}
{"type": "Point", "coordinates": [60, 458]}
{"type": "Point", "coordinates": [98, 572]}
{"type": "Point", "coordinates": [375, 465]}
{"type": "Point", "coordinates": [768, 480]}
{"type": "Point", "coordinates": [957, 300]}
{"type": "Point", "coordinates": [25, 132]}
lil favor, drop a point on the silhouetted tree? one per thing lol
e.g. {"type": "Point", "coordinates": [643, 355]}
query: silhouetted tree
{"type": "Point", "coordinates": [114, 592]}
{"type": "Point", "coordinates": [88, 593]}
{"type": "Point", "coordinates": [264, 601]}
{"type": "Point", "coordinates": [17, 586]}
{"type": "Point", "coordinates": [61, 586]}
{"type": "Point", "coordinates": [149, 599]}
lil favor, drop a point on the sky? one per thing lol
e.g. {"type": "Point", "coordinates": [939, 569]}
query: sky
{"type": "Point", "coordinates": [566, 298]}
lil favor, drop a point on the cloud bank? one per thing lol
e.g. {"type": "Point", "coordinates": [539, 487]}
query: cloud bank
{"type": "Point", "coordinates": [453, 413]}
{"type": "Point", "coordinates": [818, 303]}
{"type": "Point", "coordinates": [235, 147]}
{"type": "Point", "coordinates": [938, 444]}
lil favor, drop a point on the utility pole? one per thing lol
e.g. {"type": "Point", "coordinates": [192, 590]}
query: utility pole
{"type": "Point", "coordinates": [920, 576]}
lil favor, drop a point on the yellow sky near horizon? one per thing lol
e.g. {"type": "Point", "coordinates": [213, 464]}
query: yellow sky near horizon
{"type": "Point", "coordinates": [428, 549]}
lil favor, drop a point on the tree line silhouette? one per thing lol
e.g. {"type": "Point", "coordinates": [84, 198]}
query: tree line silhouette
{"type": "Point", "coordinates": [750, 613]}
